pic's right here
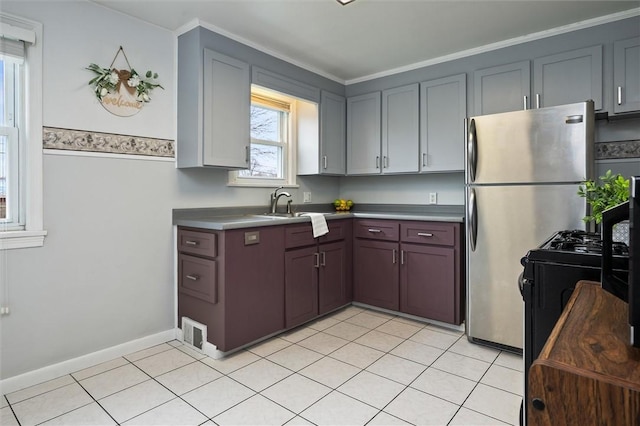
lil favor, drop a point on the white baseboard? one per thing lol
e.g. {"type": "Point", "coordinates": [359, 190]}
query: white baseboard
{"type": "Point", "coordinates": [50, 372]}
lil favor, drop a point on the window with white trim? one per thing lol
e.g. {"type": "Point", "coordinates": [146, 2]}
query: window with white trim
{"type": "Point", "coordinates": [270, 136]}
{"type": "Point", "coordinates": [277, 122]}
{"type": "Point", "coordinates": [21, 219]}
{"type": "Point", "coordinates": [11, 121]}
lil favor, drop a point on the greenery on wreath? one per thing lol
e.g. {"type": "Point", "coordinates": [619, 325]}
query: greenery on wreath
{"type": "Point", "coordinates": [109, 81]}
{"type": "Point", "coordinates": [613, 190]}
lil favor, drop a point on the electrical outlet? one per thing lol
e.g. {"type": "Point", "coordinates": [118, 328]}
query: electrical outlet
{"type": "Point", "coordinates": [433, 198]}
{"type": "Point", "coordinates": [306, 197]}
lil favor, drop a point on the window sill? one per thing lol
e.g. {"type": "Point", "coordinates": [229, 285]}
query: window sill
{"type": "Point", "coordinates": [21, 239]}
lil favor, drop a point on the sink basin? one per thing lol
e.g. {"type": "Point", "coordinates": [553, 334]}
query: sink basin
{"type": "Point", "coordinates": [269, 216]}
{"type": "Point", "coordinates": [282, 215]}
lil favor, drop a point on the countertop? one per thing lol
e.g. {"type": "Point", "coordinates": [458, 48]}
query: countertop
{"type": "Point", "coordinates": [223, 218]}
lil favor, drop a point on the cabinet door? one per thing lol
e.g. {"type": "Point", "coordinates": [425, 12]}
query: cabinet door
{"type": "Point", "coordinates": [400, 127]}
{"type": "Point", "coordinates": [376, 273]}
{"type": "Point", "coordinates": [568, 77]}
{"type": "Point", "coordinates": [253, 292]}
{"type": "Point", "coordinates": [333, 116]}
{"type": "Point", "coordinates": [363, 134]}
{"type": "Point", "coordinates": [334, 276]}
{"type": "Point", "coordinates": [443, 108]}
{"type": "Point", "coordinates": [427, 282]}
{"type": "Point", "coordinates": [227, 98]}
{"type": "Point", "coordinates": [626, 75]}
{"type": "Point", "coordinates": [502, 89]}
{"type": "Point", "coordinates": [301, 285]}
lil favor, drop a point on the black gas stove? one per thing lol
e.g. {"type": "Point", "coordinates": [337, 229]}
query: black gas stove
{"type": "Point", "coordinates": [550, 274]}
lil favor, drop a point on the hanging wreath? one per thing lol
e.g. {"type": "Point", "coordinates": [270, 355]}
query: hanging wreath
{"type": "Point", "coordinates": [122, 92]}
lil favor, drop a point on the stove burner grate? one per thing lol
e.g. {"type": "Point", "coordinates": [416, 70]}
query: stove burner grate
{"type": "Point", "coordinates": [583, 242]}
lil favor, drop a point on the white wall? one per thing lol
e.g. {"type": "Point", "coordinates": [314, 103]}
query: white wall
{"type": "Point", "coordinates": [105, 274]}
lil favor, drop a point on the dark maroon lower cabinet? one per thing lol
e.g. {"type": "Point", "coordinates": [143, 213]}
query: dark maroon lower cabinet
{"type": "Point", "coordinates": [427, 282]}
{"type": "Point", "coordinates": [301, 285]}
{"type": "Point", "coordinates": [245, 300]}
{"type": "Point", "coordinates": [317, 281]}
{"type": "Point", "coordinates": [375, 273]}
{"type": "Point", "coordinates": [317, 271]}
{"type": "Point", "coordinates": [334, 289]}
{"type": "Point", "coordinates": [412, 267]}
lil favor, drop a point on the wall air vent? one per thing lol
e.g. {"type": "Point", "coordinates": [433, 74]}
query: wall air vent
{"type": "Point", "coordinates": [194, 334]}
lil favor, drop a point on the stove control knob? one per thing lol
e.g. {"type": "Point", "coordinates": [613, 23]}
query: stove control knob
{"type": "Point", "coordinates": [538, 404]}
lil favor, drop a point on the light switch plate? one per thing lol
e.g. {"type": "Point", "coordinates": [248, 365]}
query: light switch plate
{"type": "Point", "coordinates": [306, 197]}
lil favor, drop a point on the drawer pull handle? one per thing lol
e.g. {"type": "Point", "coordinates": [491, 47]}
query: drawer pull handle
{"type": "Point", "coordinates": [193, 277]}
{"type": "Point", "coordinates": [191, 243]}
{"type": "Point", "coordinates": [424, 234]}
{"type": "Point", "coordinates": [374, 231]}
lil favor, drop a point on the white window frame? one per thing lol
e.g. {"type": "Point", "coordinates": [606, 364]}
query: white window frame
{"type": "Point", "coordinates": [31, 233]}
{"type": "Point", "coordinates": [289, 156]}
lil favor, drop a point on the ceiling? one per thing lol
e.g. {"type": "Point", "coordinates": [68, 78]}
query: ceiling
{"type": "Point", "coordinates": [369, 38]}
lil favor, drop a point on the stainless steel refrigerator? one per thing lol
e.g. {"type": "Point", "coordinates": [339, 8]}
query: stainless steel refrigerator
{"type": "Point", "coordinates": [522, 174]}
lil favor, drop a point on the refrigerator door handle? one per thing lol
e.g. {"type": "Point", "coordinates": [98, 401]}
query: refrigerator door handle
{"type": "Point", "coordinates": [473, 219]}
{"type": "Point", "coordinates": [472, 146]}
{"type": "Point", "coordinates": [573, 119]}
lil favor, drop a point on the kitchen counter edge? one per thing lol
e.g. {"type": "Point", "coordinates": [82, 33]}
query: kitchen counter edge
{"type": "Point", "coordinates": [221, 220]}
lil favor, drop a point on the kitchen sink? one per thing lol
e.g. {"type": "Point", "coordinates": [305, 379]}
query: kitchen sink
{"type": "Point", "coordinates": [283, 215]}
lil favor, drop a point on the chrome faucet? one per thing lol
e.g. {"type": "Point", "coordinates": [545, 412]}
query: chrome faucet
{"type": "Point", "coordinates": [275, 197]}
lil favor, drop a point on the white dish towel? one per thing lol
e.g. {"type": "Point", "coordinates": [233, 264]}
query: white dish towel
{"type": "Point", "coordinates": [318, 223]}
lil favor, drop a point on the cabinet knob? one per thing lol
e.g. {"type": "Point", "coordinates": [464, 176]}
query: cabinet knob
{"type": "Point", "coordinates": [538, 404]}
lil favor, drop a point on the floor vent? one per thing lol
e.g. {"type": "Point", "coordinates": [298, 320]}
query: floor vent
{"type": "Point", "coordinates": [194, 334]}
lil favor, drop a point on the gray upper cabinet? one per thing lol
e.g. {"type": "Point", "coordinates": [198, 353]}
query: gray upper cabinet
{"type": "Point", "coordinates": [501, 89]}
{"type": "Point", "coordinates": [213, 110]}
{"type": "Point", "coordinates": [568, 77]}
{"type": "Point", "coordinates": [333, 116]}
{"type": "Point", "coordinates": [325, 153]}
{"type": "Point", "coordinates": [363, 134]}
{"type": "Point", "coordinates": [626, 75]}
{"type": "Point", "coordinates": [400, 129]}
{"type": "Point", "coordinates": [443, 108]}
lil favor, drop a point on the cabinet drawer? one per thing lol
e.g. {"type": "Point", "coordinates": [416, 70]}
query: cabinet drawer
{"type": "Point", "coordinates": [436, 233]}
{"type": "Point", "coordinates": [198, 243]}
{"type": "Point", "coordinates": [387, 230]}
{"type": "Point", "coordinates": [197, 277]}
{"type": "Point", "coordinates": [338, 231]}
{"type": "Point", "coordinates": [298, 236]}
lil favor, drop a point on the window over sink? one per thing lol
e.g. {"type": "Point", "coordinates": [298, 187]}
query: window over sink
{"type": "Point", "coordinates": [277, 122]}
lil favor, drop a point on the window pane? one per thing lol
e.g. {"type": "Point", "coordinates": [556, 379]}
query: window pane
{"type": "Point", "coordinates": [3, 177]}
{"type": "Point", "coordinates": [266, 161]}
{"type": "Point", "coordinates": [265, 124]}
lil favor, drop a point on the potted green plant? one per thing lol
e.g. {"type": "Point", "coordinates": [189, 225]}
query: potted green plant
{"type": "Point", "coordinates": [610, 191]}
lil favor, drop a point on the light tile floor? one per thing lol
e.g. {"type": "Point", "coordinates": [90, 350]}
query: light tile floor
{"type": "Point", "coordinates": [354, 367]}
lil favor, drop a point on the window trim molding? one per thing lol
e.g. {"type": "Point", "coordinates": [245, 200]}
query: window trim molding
{"type": "Point", "coordinates": [33, 234]}
{"type": "Point", "coordinates": [290, 162]}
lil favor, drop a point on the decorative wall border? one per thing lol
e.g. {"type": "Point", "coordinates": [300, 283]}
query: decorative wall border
{"type": "Point", "coordinates": [618, 149]}
{"type": "Point", "coordinates": [82, 140]}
